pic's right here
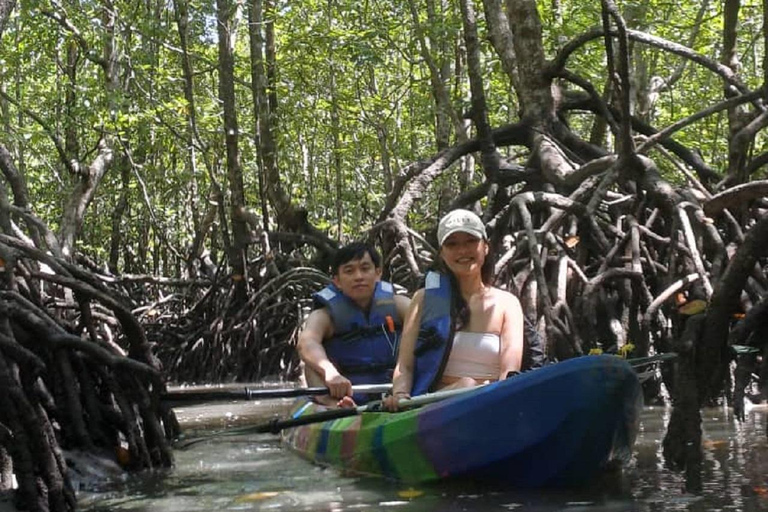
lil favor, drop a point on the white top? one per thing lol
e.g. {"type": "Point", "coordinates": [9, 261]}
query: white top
{"type": "Point", "coordinates": [476, 355]}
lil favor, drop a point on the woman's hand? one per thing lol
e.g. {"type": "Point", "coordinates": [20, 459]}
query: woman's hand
{"type": "Point", "coordinates": [346, 403]}
{"type": "Point", "coordinates": [390, 402]}
{"type": "Point", "coordinates": [403, 374]}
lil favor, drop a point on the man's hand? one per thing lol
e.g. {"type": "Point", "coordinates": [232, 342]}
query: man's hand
{"type": "Point", "coordinates": [338, 386]}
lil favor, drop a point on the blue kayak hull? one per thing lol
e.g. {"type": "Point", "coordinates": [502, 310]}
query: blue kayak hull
{"type": "Point", "coordinates": [555, 426]}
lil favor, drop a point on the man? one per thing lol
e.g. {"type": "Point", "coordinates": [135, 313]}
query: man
{"type": "Point", "coordinates": [352, 336]}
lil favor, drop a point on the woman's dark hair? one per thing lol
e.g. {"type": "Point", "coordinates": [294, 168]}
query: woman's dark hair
{"type": "Point", "coordinates": [459, 306]}
{"type": "Point", "coordinates": [354, 251]}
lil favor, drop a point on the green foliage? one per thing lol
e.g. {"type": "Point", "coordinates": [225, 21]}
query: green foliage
{"type": "Point", "coordinates": [361, 58]}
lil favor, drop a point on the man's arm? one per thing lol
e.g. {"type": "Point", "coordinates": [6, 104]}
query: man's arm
{"type": "Point", "coordinates": [319, 369]}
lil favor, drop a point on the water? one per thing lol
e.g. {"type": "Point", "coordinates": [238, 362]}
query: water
{"type": "Point", "coordinates": [255, 473]}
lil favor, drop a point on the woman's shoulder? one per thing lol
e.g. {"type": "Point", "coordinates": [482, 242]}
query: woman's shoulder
{"type": "Point", "coordinates": [504, 296]}
{"type": "Point", "coordinates": [499, 293]}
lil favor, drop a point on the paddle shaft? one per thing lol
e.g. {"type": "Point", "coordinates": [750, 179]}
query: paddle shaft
{"type": "Point", "coordinates": [212, 394]}
{"type": "Point", "coordinates": [277, 425]}
{"type": "Point", "coordinates": [658, 358]}
{"type": "Point", "coordinates": [202, 394]}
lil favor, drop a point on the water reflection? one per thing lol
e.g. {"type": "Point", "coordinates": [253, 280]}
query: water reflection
{"type": "Point", "coordinates": [255, 473]}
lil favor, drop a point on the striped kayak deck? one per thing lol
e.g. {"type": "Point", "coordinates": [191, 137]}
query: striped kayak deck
{"type": "Point", "coordinates": [555, 426]}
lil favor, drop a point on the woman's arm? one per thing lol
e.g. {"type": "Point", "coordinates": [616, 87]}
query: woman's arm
{"type": "Point", "coordinates": [511, 354]}
{"type": "Point", "coordinates": [402, 381]}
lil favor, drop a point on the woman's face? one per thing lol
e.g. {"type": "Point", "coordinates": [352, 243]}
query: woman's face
{"type": "Point", "coordinates": [464, 254]}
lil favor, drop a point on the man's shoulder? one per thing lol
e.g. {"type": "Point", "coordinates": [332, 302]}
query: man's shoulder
{"type": "Point", "coordinates": [322, 311]}
{"type": "Point", "coordinates": [319, 320]}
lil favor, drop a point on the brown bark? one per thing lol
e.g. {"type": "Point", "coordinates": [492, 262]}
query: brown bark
{"type": "Point", "coordinates": [116, 242]}
{"type": "Point", "coordinates": [620, 76]}
{"type": "Point", "coordinates": [336, 148]}
{"type": "Point", "coordinates": [263, 116]}
{"type": "Point", "coordinates": [501, 37]}
{"type": "Point", "coordinates": [87, 177]}
{"type": "Point", "coordinates": [271, 55]}
{"type": "Point", "coordinates": [6, 8]}
{"type": "Point", "coordinates": [724, 72]}
{"type": "Point", "coordinates": [439, 91]}
{"type": "Point", "coordinates": [71, 140]}
{"type": "Point", "coordinates": [82, 374]}
{"type": "Point", "coordinates": [736, 198]}
{"type": "Point", "coordinates": [225, 11]}
{"type": "Point", "coordinates": [682, 443]}
{"type": "Point", "coordinates": [194, 142]}
{"type": "Point", "coordinates": [490, 158]}
{"type": "Point", "coordinates": [88, 180]}
{"type": "Point", "coordinates": [535, 93]}
{"type": "Point", "coordinates": [725, 301]}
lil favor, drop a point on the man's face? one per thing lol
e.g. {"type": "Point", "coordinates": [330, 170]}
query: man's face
{"type": "Point", "coordinates": [357, 280]}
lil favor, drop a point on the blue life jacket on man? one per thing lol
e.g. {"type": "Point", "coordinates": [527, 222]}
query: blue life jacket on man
{"type": "Point", "coordinates": [433, 345]}
{"type": "Point", "coordinates": [363, 348]}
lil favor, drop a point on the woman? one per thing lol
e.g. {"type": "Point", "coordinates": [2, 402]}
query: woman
{"type": "Point", "coordinates": [481, 340]}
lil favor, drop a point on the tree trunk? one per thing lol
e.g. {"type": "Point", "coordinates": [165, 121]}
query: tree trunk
{"type": "Point", "coordinates": [725, 301]}
{"type": "Point", "coordinates": [193, 140]}
{"type": "Point", "coordinates": [6, 8]}
{"type": "Point", "coordinates": [535, 93]}
{"type": "Point", "coordinates": [262, 115]}
{"type": "Point", "coordinates": [439, 91]}
{"type": "Point", "coordinates": [502, 39]}
{"type": "Point", "coordinates": [85, 188]}
{"type": "Point", "coordinates": [338, 173]}
{"type": "Point", "coordinates": [116, 240]}
{"type": "Point", "coordinates": [271, 55]}
{"type": "Point", "coordinates": [490, 157]}
{"type": "Point", "coordinates": [88, 177]}
{"type": "Point", "coordinates": [225, 12]}
{"type": "Point", "coordinates": [737, 116]}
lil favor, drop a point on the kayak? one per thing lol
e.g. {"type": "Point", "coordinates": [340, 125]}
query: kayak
{"type": "Point", "coordinates": [554, 426]}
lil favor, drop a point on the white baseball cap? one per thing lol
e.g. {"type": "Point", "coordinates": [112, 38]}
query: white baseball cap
{"type": "Point", "coordinates": [460, 221]}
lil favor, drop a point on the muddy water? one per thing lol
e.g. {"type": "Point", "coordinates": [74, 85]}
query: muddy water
{"type": "Point", "coordinates": [249, 473]}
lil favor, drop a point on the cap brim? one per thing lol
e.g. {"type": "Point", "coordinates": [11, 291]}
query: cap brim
{"type": "Point", "coordinates": [462, 229]}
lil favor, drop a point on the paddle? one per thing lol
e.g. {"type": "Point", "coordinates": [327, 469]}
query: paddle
{"type": "Point", "coordinates": [641, 362]}
{"type": "Point", "coordinates": [276, 425]}
{"type": "Point", "coordinates": [658, 358]}
{"type": "Point", "coordinates": [209, 394]}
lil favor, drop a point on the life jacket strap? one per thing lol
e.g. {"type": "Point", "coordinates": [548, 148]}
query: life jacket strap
{"type": "Point", "coordinates": [429, 339]}
{"type": "Point", "coordinates": [367, 332]}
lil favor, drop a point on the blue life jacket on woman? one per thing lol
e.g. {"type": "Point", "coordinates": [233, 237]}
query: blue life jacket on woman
{"type": "Point", "coordinates": [435, 334]}
{"type": "Point", "coordinates": [433, 345]}
{"type": "Point", "coordinates": [363, 347]}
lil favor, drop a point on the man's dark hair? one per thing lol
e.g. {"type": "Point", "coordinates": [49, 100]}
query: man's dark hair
{"type": "Point", "coordinates": [354, 251]}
